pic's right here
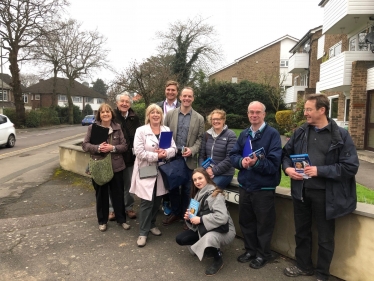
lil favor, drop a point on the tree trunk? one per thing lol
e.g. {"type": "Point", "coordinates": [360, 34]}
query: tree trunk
{"type": "Point", "coordinates": [70, 102]}
{"type": "Point", "coordinates": [17, 91]}
{"type": "Point", "coordinates": [54, 95]}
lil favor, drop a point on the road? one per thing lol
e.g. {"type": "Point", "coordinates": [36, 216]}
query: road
{"type": "Point", "coordinates": [33, 159]}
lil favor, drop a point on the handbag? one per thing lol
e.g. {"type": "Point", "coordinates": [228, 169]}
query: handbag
{"type": "Point", "coordinates": [175, 172]}
{"type": "Point", "coordinates": [148, 172]}
{"type": "Point", "coordinates": [101, 170]}
{"type": "Point", "coordinates": [224, 228]}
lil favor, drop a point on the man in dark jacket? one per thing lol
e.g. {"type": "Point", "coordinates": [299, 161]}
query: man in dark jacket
{"type": "Point", "coordinates": [258, 178]}
{"type": "Point", "coordinates": [328, 188]}
{"type": "Point", "coordinates": [129, 121]}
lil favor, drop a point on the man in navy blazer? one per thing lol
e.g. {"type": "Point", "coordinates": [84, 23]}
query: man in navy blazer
{"type": "Point", "coordinates": [188, 128]}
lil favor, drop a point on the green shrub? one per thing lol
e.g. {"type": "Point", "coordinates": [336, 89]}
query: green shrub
{"type": "Point", "coordinates": [33, 119]}
{"type": "Point", "coordinates": [284, 119]}
{"type": "Point", "coordinates": [236, 121]}
{"type": "Point", "coordinates": [11, 113]}
{"type": "Point", "coordinates": [139, 108]}
{"type": "Point", "coordinates": [48, 116]}
{"type": "Point", "coordinates": [87, 110]}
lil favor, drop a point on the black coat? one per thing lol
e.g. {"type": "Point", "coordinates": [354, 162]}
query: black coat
{"type": "Point", "coordinates": [341, 166]}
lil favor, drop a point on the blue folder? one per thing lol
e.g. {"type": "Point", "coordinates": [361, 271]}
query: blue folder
{"type": "Point", "coordinates": [165, 140]}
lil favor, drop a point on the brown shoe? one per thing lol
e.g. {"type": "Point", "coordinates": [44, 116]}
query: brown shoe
{"type": "Point", "coordinates": [169, 220]}
{"type": "Point", "coordinates": [112, 216]}
{"type": "Point", "coordinates": [131, 214]}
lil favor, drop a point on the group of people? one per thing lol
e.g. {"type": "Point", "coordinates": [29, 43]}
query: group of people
{"type": "Point", "coordinates": [328, 192]}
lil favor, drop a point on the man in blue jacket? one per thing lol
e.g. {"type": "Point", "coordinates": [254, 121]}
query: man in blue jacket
{"type": "Point", "coordinates": [328, 192]}
{"type": "Point", "coordinates": [258, 178]}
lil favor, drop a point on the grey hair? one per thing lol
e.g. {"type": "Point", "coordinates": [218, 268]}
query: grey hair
{"type": "Point", "coordinates": [127, 94]}
{"type": "Point", "coordinates": [259, 103]}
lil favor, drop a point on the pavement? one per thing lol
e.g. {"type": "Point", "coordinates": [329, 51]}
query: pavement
{"type": "Point", "coordinates": [51, 233]}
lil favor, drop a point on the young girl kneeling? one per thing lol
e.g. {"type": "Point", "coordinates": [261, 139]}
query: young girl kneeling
{"type": "Point", "coordinates": [212, 227]}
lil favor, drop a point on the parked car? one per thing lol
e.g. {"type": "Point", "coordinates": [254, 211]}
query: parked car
{"type": "Point", "coordinates": [88, 120]}
{"type": "Point", "coordinates": [7, 132]}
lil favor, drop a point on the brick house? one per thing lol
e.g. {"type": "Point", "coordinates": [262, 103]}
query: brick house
{"type": "Point", "coordinates": [267, 64]}
{"type": "Point", "coordinates": [6, 91]}
{"type": "Point", "coordinates": [40, 94]}
{"type": "Point", "coordinates": [347, 69]}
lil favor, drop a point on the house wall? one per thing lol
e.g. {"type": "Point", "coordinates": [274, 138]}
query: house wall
{"type": "Point", "coordinates": [358, 95]}
{"type": "Point", "coordinates": [259, 67]}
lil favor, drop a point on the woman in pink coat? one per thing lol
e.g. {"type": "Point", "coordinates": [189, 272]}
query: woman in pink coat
{"type": "Point", "coordinates": [149, 190]}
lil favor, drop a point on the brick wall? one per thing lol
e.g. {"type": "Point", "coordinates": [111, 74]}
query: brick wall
{"type": "Point", "coordinates": [261, 67]}
{"type": "Point", "coordinates": [358, 94]}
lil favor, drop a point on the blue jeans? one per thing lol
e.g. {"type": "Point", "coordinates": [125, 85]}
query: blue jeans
{"type": "Point", "coordinates": [180, 198]}
{"type": "Point", "coordinates": [222, 181]}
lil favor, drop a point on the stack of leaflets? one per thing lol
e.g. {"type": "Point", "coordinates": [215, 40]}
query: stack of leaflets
{"type": "Point", "coordinates": [300, 161]}
{"type": "Point", "coordinates": [260, 153]}
{"type": "Point", "coordinates": [208, 163]}
{"type": "Point", "coordinates": [193, 208]}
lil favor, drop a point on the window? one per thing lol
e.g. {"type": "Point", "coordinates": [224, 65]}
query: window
{"type": "Point", "coordinates": [62, 98]}
{"type": "Point", "coordinates": [347, 106]}
{"type": "Point", "coordinates": [25, 98]}
{"type": "Point", "coordinates": [4, 96]}
{"type": "Point", "coordinates": [89, 100]}
{"type": "Point", "coordinates": [77, 99]}
{"type": "Point", "coordinates": [234, 79]}
{"type": "Point", "coordinates": [334, 103]}
{"type": "Point", "coordinates": [304, 80]}
{"type": "Point", "coordinates": [358, 42]}
{"type": "Point", "coordinates": [335, 50]}
{"type": "Point", "coordinates": [37, 97]}
{"type": "Point", "coordinates": [283, 63]}
{"type": "Point", "coordinates": [32, 97]}
{"type": "Point", "coordinates": [99, 101]}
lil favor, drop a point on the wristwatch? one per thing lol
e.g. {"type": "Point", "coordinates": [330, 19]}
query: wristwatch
{"type": "Point", "coordinates": [114, 149]}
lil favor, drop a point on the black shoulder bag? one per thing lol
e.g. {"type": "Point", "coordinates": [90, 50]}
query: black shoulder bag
{"type": "Point", "coordinates": [204, 211]}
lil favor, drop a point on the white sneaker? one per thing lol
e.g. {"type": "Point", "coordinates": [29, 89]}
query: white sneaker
{"type": "Point", "coordinates": [141, 241]}
{"type": "Point", "coordinates": [126, 226]}
{"type": "Point", "coordinates": [102, 227]}
{"type": "Point", "coordinates": [155, 231]}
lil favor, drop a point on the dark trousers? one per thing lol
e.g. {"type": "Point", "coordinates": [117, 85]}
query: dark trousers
{"type": "Point", "coordinates": [180, 198]}
{"type": "Point", "coordinates": [257, 221]}
{"type": "Point", "coordinates": [148, 212]}
{"type": "Point", "coordinates": [314, 205]}
{"type": "Point", "coordinates": [188, 237]}
{"type": "Point", "coordinates": [115, 186]}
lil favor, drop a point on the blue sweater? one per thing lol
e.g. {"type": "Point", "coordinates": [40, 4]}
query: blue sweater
{"type": "Point", "coordinates": [265, 174]}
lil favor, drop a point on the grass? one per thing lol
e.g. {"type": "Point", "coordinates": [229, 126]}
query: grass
{"type": "Point", "coordinates": [364, 194]}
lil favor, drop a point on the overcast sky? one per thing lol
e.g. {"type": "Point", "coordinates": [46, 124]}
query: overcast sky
{"type": "Point", "coordinates": [242, 26]}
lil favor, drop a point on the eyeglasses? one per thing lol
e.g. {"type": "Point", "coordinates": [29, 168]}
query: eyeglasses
{"type": "Point", "coordinates": [251, 112]}
{"type": "Point", "coordinates": [308, 109]}
{"type": "Point", "coordinates": [216, 119]}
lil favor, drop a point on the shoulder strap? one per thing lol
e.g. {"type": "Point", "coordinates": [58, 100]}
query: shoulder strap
{"type": "Point", "coordinates": [202, 202]}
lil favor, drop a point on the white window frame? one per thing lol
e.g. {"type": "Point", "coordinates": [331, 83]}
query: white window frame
{"type": "Point", "coordinates": [356, 45]}
{"type": "Point", "coordinates": [62, 98]}
{"type": "Point", "coordinates": [283, 63]}
{"type": "Point", "coordinates": [346, 109]}
{"type": "Point", "coordinates": [89, 100]}
{"type": "Point", "coordinates": [99, 100]}
{"type": "Point", "coordinates": [234, 79]}
{"type": "Point", "coordinates": [332, 98]}
{"type": "Point", "coordinates": [37, 97]}
{"type": "Point", "coordinates": [4, 96]}
{"type": "Point", "coordinates": [25, 98]}
{"type": "Point", "coordinates": [77, 99]}
{"type": "Point", "coordinates": [335, 50]}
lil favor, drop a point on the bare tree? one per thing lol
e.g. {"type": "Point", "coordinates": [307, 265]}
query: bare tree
{"type": "Point", "coordinates": [29, 79]}
{"type": "Point", "coordinates": [147, 78]}
{"type": "Point", "coordinates": [23, 22]}
{"type": "Point", "coordinates": [48, 53]}
{"type": "Point", "coordinates": [194, 46]}
{"type": "Point", "coordinates": [82, 53]}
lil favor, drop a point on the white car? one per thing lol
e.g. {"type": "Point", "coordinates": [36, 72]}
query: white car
{"type": "Point", "coordinates": [7, 132]}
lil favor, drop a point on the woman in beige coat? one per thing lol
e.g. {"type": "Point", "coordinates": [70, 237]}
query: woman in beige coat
{"type": "Point", "coordinates": [148, 153]}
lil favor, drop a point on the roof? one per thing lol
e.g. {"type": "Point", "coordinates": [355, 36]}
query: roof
{"type": "Point", "coordinates": [305, 38]}
{"type": "Point", "coordinates": [323, 3]}
{"type": "Point", "coordinates": [4, 85]}
{"type": "Point", "coordinates": [256, 51]}
{"type": "Point", "coordinates": [8, 79]}
{"type": "Point", "coordinates": [46, 87]}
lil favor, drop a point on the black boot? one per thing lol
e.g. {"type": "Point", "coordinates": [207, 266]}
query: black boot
{"type": "Point", "coordinates": [216, 265]}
